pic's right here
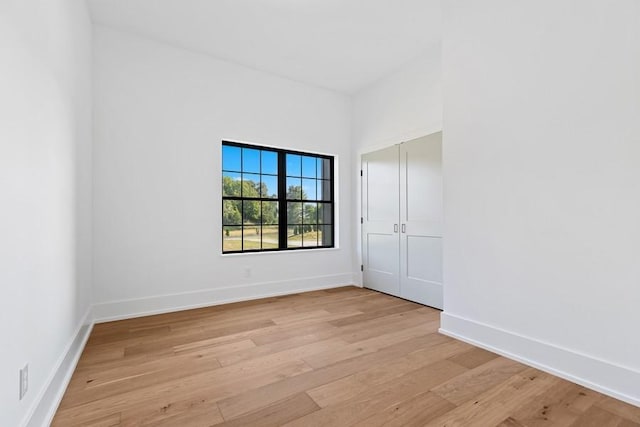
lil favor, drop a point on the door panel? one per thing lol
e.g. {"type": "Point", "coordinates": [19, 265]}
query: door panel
{"type": "Point", "coordinates": [382, 185]}
{"type": "Point", "coordinates": [378, 247]}
{"type": "Point", "coordinates": [421, 219]}
{"type": "Point", "coordinates": [424, 258]}
{"type": "Point", "coordinates": [380, 229]}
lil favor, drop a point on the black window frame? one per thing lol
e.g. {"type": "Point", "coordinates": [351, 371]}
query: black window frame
{"type": "Point", "coordinates": [282, 200]}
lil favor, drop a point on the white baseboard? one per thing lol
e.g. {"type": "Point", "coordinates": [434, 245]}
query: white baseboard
{"type": "Point", "coordinates": [50, 396]}
{"type": "Point", "coordinates": [126, 309]}
{"type": "Point", "coordinates": [603, 376]}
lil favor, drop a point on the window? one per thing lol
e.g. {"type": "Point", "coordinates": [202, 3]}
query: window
{"type": "Point", "coordinates": [275, 200]}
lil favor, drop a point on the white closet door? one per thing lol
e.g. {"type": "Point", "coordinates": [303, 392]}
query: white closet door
{"type": "Point", "coordinates": [380, 226]}
{"type": "Point", "coordinates": [421, 220]}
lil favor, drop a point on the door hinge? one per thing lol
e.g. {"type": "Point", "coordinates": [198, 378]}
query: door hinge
{"type": "Point", "coordinates": [361, 267]}
{"type": "Point", "coordinates": [361, 220]}
{"type": "Point", "coordinates": [360, 172]}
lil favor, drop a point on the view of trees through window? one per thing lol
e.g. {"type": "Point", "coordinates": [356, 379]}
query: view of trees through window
{"type": "Point", "coordinates": [255, 216]}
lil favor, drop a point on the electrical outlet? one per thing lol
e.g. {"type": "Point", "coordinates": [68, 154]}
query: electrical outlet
{"type": "Point", "coordinates": [24, 380]}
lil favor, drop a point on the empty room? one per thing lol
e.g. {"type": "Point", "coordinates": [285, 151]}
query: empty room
{"type": "Point", "coordinates": [319, 213]}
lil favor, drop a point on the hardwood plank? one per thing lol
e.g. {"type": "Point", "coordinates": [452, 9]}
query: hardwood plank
{"type": "Point", "coordinates": [416, 411]}
{"type": "Point", "coordinates": [361, 381]}
{"type": "Point", "coordinates": [474, 382]}
{"type": "Point", "coordinates": [278, 413]}
{"type": "Point", "coordinates": [390, 324]}
{"type": "Point", "coordinates": [91, 356]}
{"type": "Point", "coordinates": [598, 417]}
{"type": "Point", "coordinates": [218, 350]}
{"type": "Point", "coordinates": [619, 408]}
{"type": "Point", "coordinates": [108, 421]}
{"type": "Point", "coordinates": [370, 345]}
{"type": "Point", "coordinates": [169, 342]}
{"type": "Point", "coordinates": [263, 396]}
{"type": "Point", "coordinates": [346, 356]}
{"type": "Point", "coordinates": [185, 412]}
{"type": "Point", "coordinates": [375, 314]}
{"type": "Point", "coordinates": [561, 405]}
{"type": "Point", "coordinates": [377, 399]}
{"type": "Point", "coordinates": [116, 381]}
{"type": "Point", "coordinates": [278, 346]}
{"type": "Point", "coordinates": [473, 358]}
{"type": "Point", "coordinates": [285, 332]}
{"type": "Point", "coordinates": [215, 385]}
{"type": "Point", "coordinates": [268, 334]}
{"type": "Point", "coordinates": [367, 303]}
{"type": "Point", "coordinates": [322, 315]}
{"type": "Point", "coordinates": [496, 404]}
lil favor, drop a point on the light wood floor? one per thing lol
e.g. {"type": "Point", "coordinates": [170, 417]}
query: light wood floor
{"type": "Point", "coordinates": [339, 357]}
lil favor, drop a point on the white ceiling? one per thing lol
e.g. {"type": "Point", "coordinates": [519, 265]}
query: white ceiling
{"type": "Point", "coordinates": [342, 45]}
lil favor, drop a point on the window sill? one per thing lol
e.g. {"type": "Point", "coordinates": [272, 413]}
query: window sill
{"type": "Point", "coordinates": [315, 251]}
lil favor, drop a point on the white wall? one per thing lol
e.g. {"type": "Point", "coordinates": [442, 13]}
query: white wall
{"type": "Point", "coordinates": [542, 184]}
{"type": "Point", "coordinates": [160, 116]}
{"type": "Point", "coordinates": [402, 106]}
{"type": "Point", "coordinates": [45, 196]}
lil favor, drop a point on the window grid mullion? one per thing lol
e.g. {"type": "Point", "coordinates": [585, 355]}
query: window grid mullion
{"type": "Point", "coordinates": [282, 201]}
